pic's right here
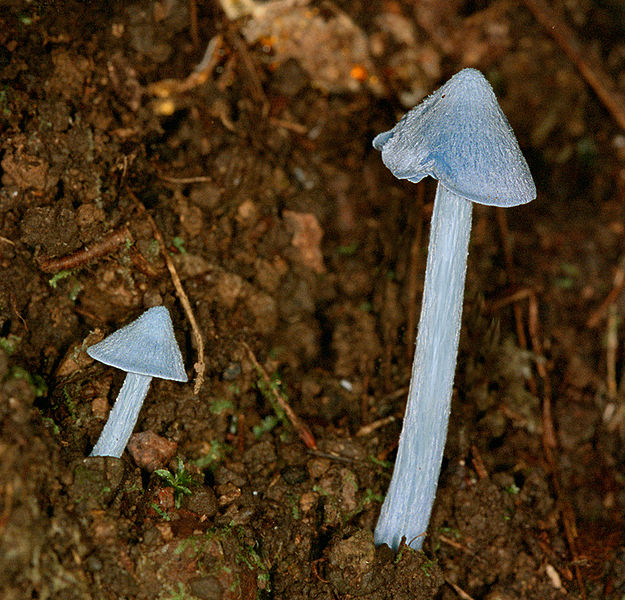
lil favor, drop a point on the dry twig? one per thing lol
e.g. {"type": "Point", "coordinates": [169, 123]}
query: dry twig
{"type": "Point", "coordinates": [549, 438]}
{"type": "Point", "coordinates": [549, 435]}
{"type": "Point", "coordinates": [517, 296]}
{"type": "Point", "coordinates": [193, 27]}
{"type": "Point", "coordinates": [302, 430]}
{"type": "Point", "coordinates": [461, 593]}
{"type": "Point", "coordinates": [336, 457]}
{"type": "Point", "coordinates": [478, 463]}
{"type": "Point", "coordinates": [200, 365]}
{"type": "Point", "coordinates": [169, 87]}
{"type": "Point", "coordinates": [72, 261]}
{"type": "Point", "coordinates": [611, 343]}
{"type": "Point", "coordinates": [590, 69]}
{"type": "Point", "coordinates": [618, 284]}
{"type": "Point", "coordinates": [185, 180]}
{"type": "Point", "coordinates": [367, 429]}
{"type": "Point", "coordinates": [550, 443]}
{"type": "Point", "coordinates": [17, 312]}
{"type": "Point", "coordinates": [502, 220]}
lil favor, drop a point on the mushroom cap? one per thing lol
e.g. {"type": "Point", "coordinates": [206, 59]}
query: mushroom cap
{"type": "Point", "coordinates": [147, 346]}
{"type": "Point", "coordinates": [460, 136]}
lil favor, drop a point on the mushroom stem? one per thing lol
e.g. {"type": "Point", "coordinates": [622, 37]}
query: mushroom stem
{"type": "Point", "coordinates": [123, 416]}
{"type": "Point", "coordinates": [408, 504]}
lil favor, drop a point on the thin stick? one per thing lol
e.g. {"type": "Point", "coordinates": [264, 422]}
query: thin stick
{"type": "Point", "coordinates": [166, 88]}
{"type": "Point", "coordinates": [478, 463]}
{"type": "Point", "coordinates": [521, 294]}
{"type": "Point", "coordinates": [250, 72]}
{"type": "Point", "coordinates": [459, 546]}
{"type": "Point", "coordinates": [72, 261]}
{"type": "Point", "coordinates": [302, 430]}
{"type": "Point", "coordinates": [193, 28]}
{"type": "Point", "coordinates": [335, 457]}
{"type": "Point", "coordinates": [185, 180]}
{"type": "Point", "coordinates": [461, 593]}
{"type": "Point", "coordinates": [549, 435]}
{"type": "Point", "coordinates": [502, 220]}
{"type": "Point", "coordinates": [200, 365]}
{"type": "Point", "coordinates": [618, 284]}
{"type": "Point", "coordinates": [398, 393]}
{"type": "Point", "coordinates": [290, 125]}
{"type": "Point", "coordinates": [367, 429]}
{"type": "Point", "coordinates": [549, 444]}
{"type": "Point", "coordinates": [590, 69]}
{"type": "Point", "coordinates": [611, 349]}
{"type": "Point", "coordinates": [17, 312]}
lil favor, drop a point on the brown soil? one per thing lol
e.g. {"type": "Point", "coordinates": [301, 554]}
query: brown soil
{"type": "Point", "coordinates": [291, 238]}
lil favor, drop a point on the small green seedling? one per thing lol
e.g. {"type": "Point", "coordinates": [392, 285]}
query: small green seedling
{"type": "Point", "coordinates": [269, 390]}
{"type": "Point", "coordinates": [216, 453]}
{"type": "Point", "coordinates": [178, 243]}
{"type": "Point", "coordinates": [512, 489]}
{"type": "Point", "coordinates": [266, 425]}
{"type": "Point", "coordinates": [10, 343]}
{"type": "Point", "coordinates": [37, 382]}
{"type": "Point", "coordinates": [180, 481]}
{"type": "Point", "coordinates": [64, 274]}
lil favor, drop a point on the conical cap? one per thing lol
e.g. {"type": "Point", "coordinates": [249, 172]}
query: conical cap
{"type": "Point", "coordinates": [460, 136]}
{"type": "Point", "coordinates": [147, 346]}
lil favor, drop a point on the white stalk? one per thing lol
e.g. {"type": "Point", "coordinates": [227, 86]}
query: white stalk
{"type": "Point", "coordinates": [123, 416]}
{"type": "Point", "coordinates": [408, 504]}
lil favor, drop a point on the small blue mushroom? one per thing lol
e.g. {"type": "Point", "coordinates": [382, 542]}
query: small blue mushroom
{"type": "Point", "coordinates": [145, 348]}
{"type": "Point", "coordinates": [459, 136]}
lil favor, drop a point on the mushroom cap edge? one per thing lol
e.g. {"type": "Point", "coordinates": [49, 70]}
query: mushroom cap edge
{"type": "Point", "coordinates": [460, 136]}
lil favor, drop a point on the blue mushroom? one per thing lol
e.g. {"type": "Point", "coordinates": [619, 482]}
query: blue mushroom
{"type": "Point", "coordinates": [459, 136]}
{"type": "Point", "coordinates": [145, 348]}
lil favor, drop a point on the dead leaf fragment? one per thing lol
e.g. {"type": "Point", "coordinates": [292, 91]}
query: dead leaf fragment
{"type": "Point", "coordinates": [328, 45]}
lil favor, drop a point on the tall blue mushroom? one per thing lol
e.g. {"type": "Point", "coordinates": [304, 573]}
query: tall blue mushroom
{"type": "Point", "coordinates": [459, 136]}
{"type": "Point", "coordinates": [145, 348]}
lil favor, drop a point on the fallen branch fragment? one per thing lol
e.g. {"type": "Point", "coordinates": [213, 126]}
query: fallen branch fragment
{"type": "Point", "coordinates": [478, 463]}
{"type": "Point", "coordinates": [461, 593]}
{"type": "Point", "coordinates": [617, 287]}
{"type": "Point", "coordinates": [302, 430]}
{"type": "Point", "coordinates": [517, 296]}
{"type": "Point", "coordinates": [85, 255]}
{"type": "Point", "coordinates": [336, 457]}
{"type": "Point", "coordinates": [185, 180]}
{"type": "Point", "coordinates": [169, 87]}
{"type": "Point", "coordinates": [367, 429]}
{"type": "Point", "coordinates": [611, 349]}
{"type": "Point", "coordinates": [200, 365]}
{"type": "Point", "coordinates": [549, 434]}
{"type": "Point", "coordinates": [594, 74]}
{"type": "Point", "coordinates": [502, 219]}
{"type": "Point", "coordinates": [550, 445]}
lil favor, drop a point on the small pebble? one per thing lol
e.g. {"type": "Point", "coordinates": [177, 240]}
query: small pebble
{"type": "Point", "coordinates": [151, 451]}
